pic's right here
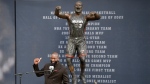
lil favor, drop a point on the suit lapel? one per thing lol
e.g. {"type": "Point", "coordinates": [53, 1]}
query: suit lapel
{"type": "Point", "coordinates": [56, 69]}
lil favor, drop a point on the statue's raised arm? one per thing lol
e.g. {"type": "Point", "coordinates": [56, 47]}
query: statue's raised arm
{"type": "Point", "coordinates": [59, 14]}
{"type": "Point", "coordinates": [93, 16]}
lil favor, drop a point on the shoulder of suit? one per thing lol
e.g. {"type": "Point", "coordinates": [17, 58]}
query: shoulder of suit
{"type": "Point", "coordinates": [61, 65]}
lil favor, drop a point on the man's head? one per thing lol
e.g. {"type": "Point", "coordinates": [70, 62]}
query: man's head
{"type": "Point", "coordinates": [54, 57]}
{"type": "Point", "coordinates": [78, 7]}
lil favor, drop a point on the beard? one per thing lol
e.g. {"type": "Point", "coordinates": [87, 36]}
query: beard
{"type": "Point", "coordinates": [54, 63]}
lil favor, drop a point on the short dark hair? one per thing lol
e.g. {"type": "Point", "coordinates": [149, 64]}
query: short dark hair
{"type": "Point", "coordinates": [55, 53]}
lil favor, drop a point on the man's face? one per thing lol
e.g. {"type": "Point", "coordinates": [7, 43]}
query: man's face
{"type": "Point", "coordinates": [78, 7]}
{"type": "Point", "coordinates": [54, 58]}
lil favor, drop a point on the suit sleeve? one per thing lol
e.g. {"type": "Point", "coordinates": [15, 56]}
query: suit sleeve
{"type": "Point", "coordinates": [37, 71]}
{"type": "Point", "coordinates": [65, 77]}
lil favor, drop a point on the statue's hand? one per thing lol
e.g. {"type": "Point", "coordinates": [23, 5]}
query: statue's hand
{"type": "Point", "coordinates": [92, 13]}
{"type": "Point", "coordinates": [58, 8]}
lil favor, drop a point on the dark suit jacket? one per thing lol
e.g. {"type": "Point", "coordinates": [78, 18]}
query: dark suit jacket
{"type": "Point", "coordinates": [58, 76]}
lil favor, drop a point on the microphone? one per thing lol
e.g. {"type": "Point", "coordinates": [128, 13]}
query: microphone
{"type": "Point", "coordinates": [51, 68]}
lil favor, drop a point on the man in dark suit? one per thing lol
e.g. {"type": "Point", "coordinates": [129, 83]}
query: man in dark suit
{"type": "Point", "coordinates": [54, 72]}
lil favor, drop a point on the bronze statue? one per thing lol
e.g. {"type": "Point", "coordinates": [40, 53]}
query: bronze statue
{"type": "Point", "coordinates": [76, 43]}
